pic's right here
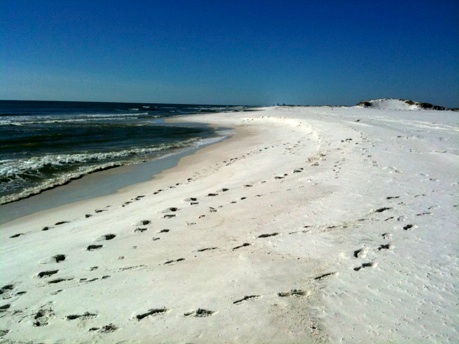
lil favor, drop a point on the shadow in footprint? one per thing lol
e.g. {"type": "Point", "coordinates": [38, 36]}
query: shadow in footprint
{"type": "Point", "coordinates": [328, 274]}
{"type": "Point", "coordinates": [5, 307]}
{"type": "Point", "coordinates": [59, 280]}
{"type": "Point", "coordinates": [268, 235]}
{"type": "Point", "coordinates": [151, 312]}
{"type": "Point", "coordinates": [199, 313]}
{"type": "Point", "coordinates": [384, 247]}
{"type": "Point", "coordinates": [84, 316]}
{"type": "Point", "coordinates": [293, 292]}
{"type": "Point", "coordinates": [207, 249]}
{"type": "Point", "coordinates": [381, 210]}
{"type": "Point", "coordinates": [107, 237]}
{"type": "Point", "coordinates": [104, 329]}
{"type": "Point", "coordinates": [42, 317]}
{"type": "Point", "coordinates": [94, 247]}
{"type": "Point", "coordinates": [361, 253]}
{"type": "Point", "coordinates": [246, 298]}
{"type": "Point", "coordinates": [365, 265]}
{"type": "Point", "coordinates": [47, 273]}
{"type": "Point", "coordinates": [174, 261]}
{"type": "Point", "coordinates": [6, 289]}
{"type": "Point", "coordinates": [408, 227]}
{"type": "Point", "coordinates": [241, 246]}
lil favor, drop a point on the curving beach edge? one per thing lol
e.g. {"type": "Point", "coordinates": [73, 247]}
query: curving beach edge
{"type": "Point", "coordinates": [310, 224]}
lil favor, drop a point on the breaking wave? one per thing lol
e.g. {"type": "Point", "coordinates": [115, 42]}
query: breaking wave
{"type": "Point", "coordinates": [46, 172]}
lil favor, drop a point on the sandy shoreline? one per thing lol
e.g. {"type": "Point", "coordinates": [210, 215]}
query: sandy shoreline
{"type": "Point", "coordinates": [309, 225]}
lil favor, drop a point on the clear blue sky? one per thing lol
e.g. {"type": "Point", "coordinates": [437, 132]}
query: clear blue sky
{"type": "Point", "coordinates": [230, 51]}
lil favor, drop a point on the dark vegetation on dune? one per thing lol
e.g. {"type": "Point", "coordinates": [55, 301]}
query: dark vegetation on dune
{"type": "Point", "coordinates": [422, 105]}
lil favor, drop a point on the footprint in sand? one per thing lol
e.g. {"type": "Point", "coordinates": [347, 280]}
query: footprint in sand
{"type": "Point", "coordinates": [246, 298]}
{"type": "Point", "coordinates": [104, 329]}
{"type": "Point", "coordinates": [199, 313]}
{"type": "Point", "coordinates": [293, 292]}
{"type": "Point", "coordinates": [381, 210]}
{"type": "Point", "coordinates": [151, 312]}
{"type": "Point", "coordinates": [59, 280]}
{"type": "Point", "coordinates": [6, 289]}
{"type": "Point", "coordinates": [384, 247]}
{"type": "Point", "coordinates": [207, 249]}
{"type": "Point", "coordinates": [268, 235]}
{"type": "Point", "coordinates": [94, 247]}
{"type": "Point", "coordinates": [365, 265]}
{"type": "Point", "coordinates": [241, 246]}
{"type": "Point", "coordinates": [4, 308]}
{"type": "Point", "coordinates": [386, 236]}
{"type": "Point", "coordinates": [47, 273]}
{"type": "Point", "coordinates": [17, 235]}
{"type": "Point", "coordinates": [174, 261]}
{"type": "Point", "coordinates": [328, 274]}
{"type": "Point", "coordinates": [84, 316]}
{"type": "Point", "coordinates": [42, 317]}
{"type": "Point", "coordinates": [360, 253]}
{"type": "Point", "coordinates": [106, 237]}
{"type": "Point", "coordinates": [409, 227]}
{"type": "Point", "coordinates": [171, 209]}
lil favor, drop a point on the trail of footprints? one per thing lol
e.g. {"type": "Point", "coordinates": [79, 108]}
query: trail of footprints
{"type": "Point", "coordinates": [46, 314]}
{"type": "Point", "coordinates": [361, 253]}
{"type": "Point", "coordinates": [43, 316]}
{"type": "Point", "coordinates": [171, 212]}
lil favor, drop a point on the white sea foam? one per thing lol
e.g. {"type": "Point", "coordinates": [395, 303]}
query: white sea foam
{"type": "Point", "coordinates": [54, 182]}
{"type": "Point", "coordinates": [16, 167]}
{"type": "Point", "coordinates": [17, 170]}
{"type": "Point", "coordinates": [49, 167]}
{"type": "Point", "coordinates": [29, 120]}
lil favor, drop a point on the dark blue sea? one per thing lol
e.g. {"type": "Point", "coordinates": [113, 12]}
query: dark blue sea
{"type": "Point", "coordinates": [44, 144]}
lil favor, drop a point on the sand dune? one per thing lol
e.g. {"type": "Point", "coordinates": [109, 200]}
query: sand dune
{"type": "Point", "coordinates": [309, 225]}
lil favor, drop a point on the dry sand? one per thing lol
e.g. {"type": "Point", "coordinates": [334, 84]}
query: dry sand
{"type": "Point", "coordinates": [310, 225]}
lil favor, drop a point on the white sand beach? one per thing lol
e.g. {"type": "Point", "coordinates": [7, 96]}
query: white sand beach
{"type": "Point", "coordinates": [309, 225]}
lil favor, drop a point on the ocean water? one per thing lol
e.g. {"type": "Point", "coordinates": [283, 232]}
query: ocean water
{"type": "Point", "coordinates": [45, 144]}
